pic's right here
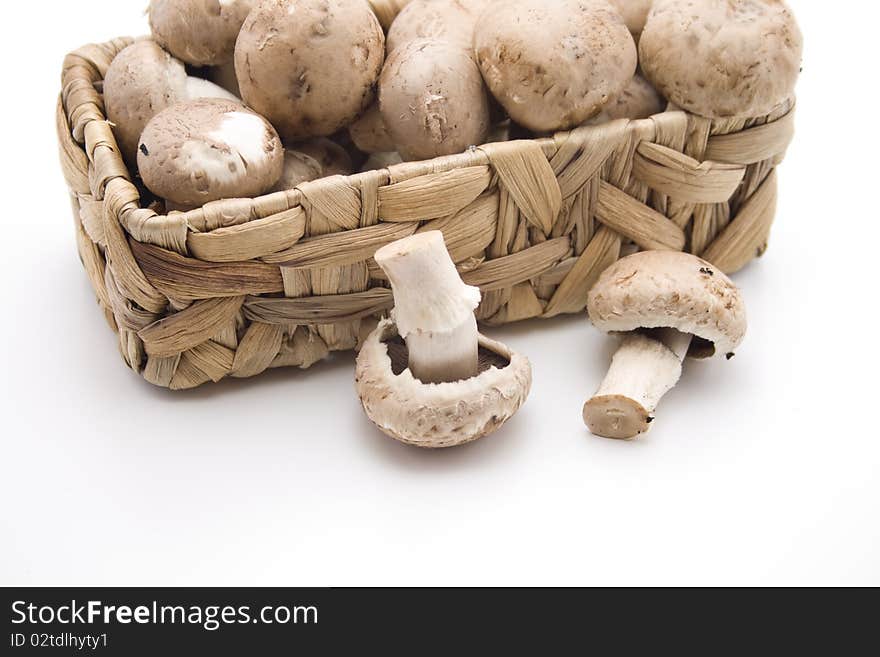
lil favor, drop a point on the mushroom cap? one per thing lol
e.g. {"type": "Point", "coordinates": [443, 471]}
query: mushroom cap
{"type": "Point", "coordinates": [438, 414]}
{"type": "Point", "coordinates": [298, 168]}
{"type": "Point", "coordinates": [369, 133]}
{"type": "Point", "coordinates": [639, 100]}
{"type": "Point", "coordinates": [433, 100]}
{"type": "Point", "coordinates": [142, 81]}
{"type": "Point", "coordinates": [333, 158]}
{"type": "Point", "coordinates": [209, 149]}
{"type": "Point", "coordinates": [634, 13]}
{"type": "Point", "coordinates": [722, 58]}
{"type": "Point", "coordinates": [554, 65]}
{"type": "Point", "coordinates": [657, 289]}
{"type": "Point", "coordinates": [381, 161]}
{"type": "Point", "coordinates": [446, 20]}
{"type": "Point", "coordinates": [199, 32]}
{"type": "Point", "coordinates": [309, 66]}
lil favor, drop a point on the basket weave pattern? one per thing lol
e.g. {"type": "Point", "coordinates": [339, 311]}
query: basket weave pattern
{"type": "Point", "coordinates": [243, 285]}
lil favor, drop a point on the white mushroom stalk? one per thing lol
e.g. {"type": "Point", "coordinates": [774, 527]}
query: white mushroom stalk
{"type": "Point", "coordinates": [643, 369]}
{"type": "Point", "coordinates": [434, 308]}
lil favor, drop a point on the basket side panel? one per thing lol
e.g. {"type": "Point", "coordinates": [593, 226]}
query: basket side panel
{"type": "Point", "coordinates": [243, 285]}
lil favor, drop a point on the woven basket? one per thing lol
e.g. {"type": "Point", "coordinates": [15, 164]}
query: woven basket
{"type": "Point", "coordinates": [243, 285]}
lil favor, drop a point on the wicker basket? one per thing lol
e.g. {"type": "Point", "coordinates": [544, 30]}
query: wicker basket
{"type": "Point", "coordinates": [243, 285]}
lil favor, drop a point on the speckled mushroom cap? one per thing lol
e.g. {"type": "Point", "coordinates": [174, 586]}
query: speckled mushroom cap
{"type": "Point", "coordinates": [333, 158]}
{"type": "Point", "coordinates": [206, 150]}
{"type": "Point", "coordinates": [634, 13]}
{"type": "Point", "coordinates": [298, 168]}
{"type": "Point", "coordinates": [446, 20]}
{"type": "Point", "coordinates": [639, 100]}
{"type": "Point", "coordinates": [438, 414]}
{"type": "Point", "coordinates": [142, 80]}
{"type": "Point", "coordinates": [369, 133]}
{"type": "Point", "coordinates": [554, 65]}
{"type": "Point", "coordinates": [309, 66]}
{"type": "Point", "coordinates": [656, 289]}
{"type": "Point", "coordinates": [433, 100]}
{"type": "Point", "coordinates": [722, 58]}
{"type": "Point", "coordinates": [199, 32]}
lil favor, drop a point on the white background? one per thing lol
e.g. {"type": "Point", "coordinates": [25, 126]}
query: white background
{"type": "Point", "coordinates": [763, 470]}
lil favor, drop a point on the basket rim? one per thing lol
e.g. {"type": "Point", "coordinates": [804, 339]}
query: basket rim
{"type": "Point", "coordinates": [721, 145]}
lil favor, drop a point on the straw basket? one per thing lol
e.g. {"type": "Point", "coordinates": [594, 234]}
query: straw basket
{"type": "Point", "coordinates": [243, 285]}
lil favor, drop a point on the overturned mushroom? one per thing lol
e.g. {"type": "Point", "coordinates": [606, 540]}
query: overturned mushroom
{"type": "Point", "coordinates": [668, 305]}
{"type": "Point", "coordinates": [427, 377]}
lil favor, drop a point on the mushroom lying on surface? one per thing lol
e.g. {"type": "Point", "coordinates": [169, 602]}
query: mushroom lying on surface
{"type": "Point", "coordinates": [427, 377]}
{"type": "Point", "coordinates": [722, 58]}
{"type": "Point", "coordinates": [668, 305]}
{"type": "Point", "coordinates": [209, 149]}
{"type": "Point", "coordinates": [142, 81]}
{"type": "Point", "coordinates": [199, 32]}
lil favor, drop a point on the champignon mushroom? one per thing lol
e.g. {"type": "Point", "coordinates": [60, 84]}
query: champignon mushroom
{"type": "Point", "coordinates": [333, 158]}
{"type": "Point", "coordinates": [444, 20]}
{"type": "Point", "coordinates": [433, 100]}
{"type": "Point", "coordinates": [722, 58]}
{"type": "Point", "coordinates": [309, 66]}
{"type": "Point", "coordinates": [667, 305]}
{"type": "Point", "coordinates": [639, 100]}
{"type": "Point", "coordinates": [298, 168]}
{"type": "Point", "coordinates": [142, 81]}
{"type": "Point", "coordinates": [369, 133]}
{"type": "Point", "coordinates": [634, 14]}
{"type": "Point", "coordinates": [209, 149]}
{"type": "Point", "coordinates": [381, 161]}
{"type": "Point", "coordinates": [554, 65]}
{"type": "Point", "coordinates": [224, 76]}
{"type": "Point", "coordinates": [199, 32]}
{"type": "Point", "coordinates": [427, 377]}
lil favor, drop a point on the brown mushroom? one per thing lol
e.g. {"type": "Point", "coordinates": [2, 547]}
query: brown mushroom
{"type": "Point", "coordinates": [143, 80]}
{"type": "Point", "coordinates": [298, 168]}
{"type": "Point", "coordinates": [638, 100]}
{"type": "Point", "coordinates": [634, 14]}
{"type": "Point", "coordinates": [199, 32]}
{"type": "Point", "coordinates": [554, 65]}
{"type": "Point", "coordinates": [722, 58]}
{"type": "Point", "coordinates": [309, 66]}
{"type": "Point", "coordinates": [660, 301]}
{"type": "Point", "coordinates": [209, 149]}
{"type": "Point", "coordinates": [432, 99]}
{"type": "Point", "coordinates": [369, 132]}
{"type": "Point", "coordinates": [444, 20]}
{"type": "Point", "coordinates": [426, 377]}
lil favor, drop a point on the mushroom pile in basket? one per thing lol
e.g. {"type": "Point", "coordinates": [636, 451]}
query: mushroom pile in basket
{"type": "Point", "coordinates": [237, 98]}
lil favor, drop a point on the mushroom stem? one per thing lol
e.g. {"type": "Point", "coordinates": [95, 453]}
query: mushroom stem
{"type": "Point", "coordinates": [433, 308]}
{"type": "Point", "coordinates": [642, 370]}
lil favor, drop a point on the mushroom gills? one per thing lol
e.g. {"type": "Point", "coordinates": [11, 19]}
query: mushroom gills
{"type": "Point", "coordinates": [644, 368]}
